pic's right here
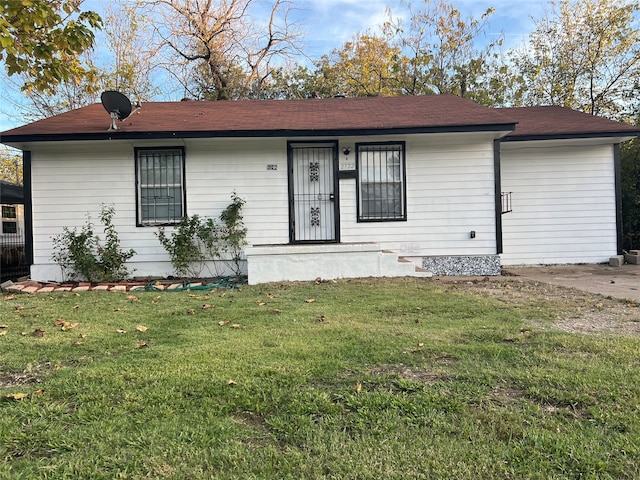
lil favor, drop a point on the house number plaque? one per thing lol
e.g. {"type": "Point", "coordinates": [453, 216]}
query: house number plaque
{"type": "Point", "coordinates": [347, 166]}
{"type": "Point", "coordinates": [272, 167]}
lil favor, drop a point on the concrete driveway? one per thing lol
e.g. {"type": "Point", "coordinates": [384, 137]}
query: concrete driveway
{"type": "Point", "coordinates": [619, 282]}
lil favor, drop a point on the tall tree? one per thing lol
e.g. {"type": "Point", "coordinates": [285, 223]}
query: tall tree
{"type": "Point", "coordinates": [448, 53]}
{"type": "Point", "coordinates": [10, 165]}
{"type": "Point", "coordinates": [584, 54]}
{"type": "Point", "coordinates": [366, 66]}
{"type": "Point", "coordinates": [125, 64]}
{"type": "Point", "coordinates": [130, 63]}
{"type": "Point", "coordinates": [218, 50]}
{"type": "Point", "coordinates": [43, 39]}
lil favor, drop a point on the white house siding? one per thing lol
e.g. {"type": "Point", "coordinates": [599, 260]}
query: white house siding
{"type": "Point", "coordinates": [72, 180]}
{"type": "Point", "coordinates": [564, 205]}
{"type": "Point", "coordinates": [450, 192]}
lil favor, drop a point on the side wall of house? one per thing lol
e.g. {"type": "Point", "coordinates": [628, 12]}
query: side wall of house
{"type": "Point", "coordinates": [450, 193]}
{"type": "Point", "coordinates": [563, 200]}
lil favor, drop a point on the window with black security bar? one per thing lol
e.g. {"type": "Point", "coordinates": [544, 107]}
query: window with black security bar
{"type": "Point", "coordinates": [381, 181]}
{"type": "Point", "coordinates": [8, 211]}
{"type": "Point", "coordinates": [160, 174]}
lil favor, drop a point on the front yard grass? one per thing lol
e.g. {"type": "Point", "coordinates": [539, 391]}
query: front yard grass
{"type": "Point", "coordinates": [363, 379]}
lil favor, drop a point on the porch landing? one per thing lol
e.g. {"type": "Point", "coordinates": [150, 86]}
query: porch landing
{"type": "Point", "coordinates": [278, 263]}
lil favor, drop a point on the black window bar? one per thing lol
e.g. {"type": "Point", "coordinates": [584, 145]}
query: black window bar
{"type": "Point", "coordinates": [505, 198]}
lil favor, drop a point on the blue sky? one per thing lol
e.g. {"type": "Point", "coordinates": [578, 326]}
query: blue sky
{"type": "Point", "coordinates": [329, 23]}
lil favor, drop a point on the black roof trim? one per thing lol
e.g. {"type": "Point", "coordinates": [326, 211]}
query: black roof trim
{"type": "Point", "coordinates": [123, 135]}
{"type": "Point", "coordinates": [513, 137]}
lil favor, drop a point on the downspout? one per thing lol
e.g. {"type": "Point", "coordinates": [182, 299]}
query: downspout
{"type": "Point", "coordinates": [617, 168]}
{"type": "Point", "coordinates": [28, 207]}
{"type": "Point", "coordinates": [498, 194]}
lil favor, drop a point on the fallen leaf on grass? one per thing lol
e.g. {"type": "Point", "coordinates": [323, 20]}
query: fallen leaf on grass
{"type": "Point", "coordinates": [156, 299]}
{"type": "Point", "coordinates": [37, 393]}
{"type": "Point", "coordinates": [132, 298]}
{"type": "Point", "coordinates": [3, 333]}
{"type": "Point", "coordinates": [223, 323]}
{"type": "Point", "coordinates": [76, 307]}
{"type": "Point", "coordinates": [77, 343]}
{"type": "Point", "coordinates": [66, 326]}
{"type": "Point", "coordinates": [142, 344]}
{"type": "Point", "coordinates": [310, 300]}
{"type": "Point", "coordinates": [38, 332]}
{"type": "Point", "coordinates": [271, 295]}
{"type": "Point", "coordinates": [17, 396]}
{"type": "Point", "coordinates": [262, 304]}
{"type": "Point", "coordinates": [142, 328]}
{"type": "Point", "coordinates": [82, 335]}
{"type": "Point", "coordinates": [11, 297]}
{"type": "Point", "coordinates": [358, 387]}
{"type": "Point", "coordinates": [19, 307]}
{"type": "Point", "coordinates": [276, 311]}
{"type": "Point", "coordinates": [231, 382]}
{"type": "Point", "coordinates": [235, 325]}
{"type": "Point", "coordinates": [191, 311]}
{"type": "Point", "coordinates": [119, 330]}
{"type": "Point", "coordinates": [206, 306]}
{"type": "Point", "coordinates": [4, 326]}
{"type": "Point", "coordinates": [117, 309]}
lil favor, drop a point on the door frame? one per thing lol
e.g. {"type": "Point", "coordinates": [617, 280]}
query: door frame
{"type": "Point", "coordinates": [336, 189]}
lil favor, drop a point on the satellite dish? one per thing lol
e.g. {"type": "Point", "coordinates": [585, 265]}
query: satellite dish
{"type": "Point", "coordinates": [118, 106]}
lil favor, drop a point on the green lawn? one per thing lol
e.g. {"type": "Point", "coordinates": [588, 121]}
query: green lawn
{"type": "Point", "coordinates": [407, 378]}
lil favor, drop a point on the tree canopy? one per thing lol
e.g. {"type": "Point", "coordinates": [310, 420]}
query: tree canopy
{"type": "Point", "coordinates": [584, 55]}
{"type": "Point", "coordinates": [43, 39]}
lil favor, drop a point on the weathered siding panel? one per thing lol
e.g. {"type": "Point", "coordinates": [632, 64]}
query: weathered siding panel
{"type": "Point", "coordinates": [564, 205]}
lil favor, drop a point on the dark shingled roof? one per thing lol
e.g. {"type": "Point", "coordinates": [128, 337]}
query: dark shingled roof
{"type": "Point", "coordinates": [332, 116]}
{"type": "Point", "coordinates": [539, 123]}
{"type": "Point", "coordinates": [318, 117]}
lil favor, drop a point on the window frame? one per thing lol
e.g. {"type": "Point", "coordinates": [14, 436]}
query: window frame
{"type": "Point", "coordinates": [140, 222]}
{"type": "Point", "coordinates": [9, 225]}
{"type": "Point", "coordinates": [9, 211]}
{"type": "Point", "coordinates": [359, 147]}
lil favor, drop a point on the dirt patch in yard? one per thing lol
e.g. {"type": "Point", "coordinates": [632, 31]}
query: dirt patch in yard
{"type": "Point", "coordinates": [578, 311]}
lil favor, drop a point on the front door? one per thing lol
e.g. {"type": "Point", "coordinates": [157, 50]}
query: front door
{"type": "Point", "coordinates": [312, 199]}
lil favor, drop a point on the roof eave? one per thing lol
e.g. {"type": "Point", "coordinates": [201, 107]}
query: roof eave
{"type": "Point", "coordinates": [125, 135]}
{"type": "Point", "coordinates": [621, 136]}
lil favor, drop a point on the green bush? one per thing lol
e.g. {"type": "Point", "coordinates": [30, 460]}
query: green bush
{"type": "Point", "coordinates": [82, 256]}
{"type": "Point", "coordinates": [196, 240]}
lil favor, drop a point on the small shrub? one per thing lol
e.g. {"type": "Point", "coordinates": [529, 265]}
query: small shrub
{"type": "Point", "coordinates": [196, 240]}
{"type": "Point", "coordinates": [234, 237]}
{"type": "Point", "coordinates": [81, 254]}
{"type": "Point", "coordinates": [184, 245]}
